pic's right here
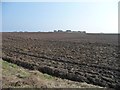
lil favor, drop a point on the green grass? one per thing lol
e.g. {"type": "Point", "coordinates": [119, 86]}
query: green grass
{"type": "Point", "coordinates": [16, 72]}
{"type": "Point", "coordinates": [13, 69]}
{"type": "Point", "coordinates": [46, 76]}
{"type": "Point", "coordinates": [7, 65]}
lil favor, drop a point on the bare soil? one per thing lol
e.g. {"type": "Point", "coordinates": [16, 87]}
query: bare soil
{"type": "Point", "coordinates": [90, 58]}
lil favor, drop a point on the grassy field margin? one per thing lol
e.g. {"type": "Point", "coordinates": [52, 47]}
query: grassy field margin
{"type": "Point", "coordinates": [17, 77]}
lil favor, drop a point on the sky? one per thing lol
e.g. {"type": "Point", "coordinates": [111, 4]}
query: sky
{"type": "Point", "coordinates": [0, 17]}
{"type": "Point", "coordinates": [92, 17]}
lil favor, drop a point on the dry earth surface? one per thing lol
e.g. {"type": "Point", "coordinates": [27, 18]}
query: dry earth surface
{"type": "Point", "coordinates": [90, 58]}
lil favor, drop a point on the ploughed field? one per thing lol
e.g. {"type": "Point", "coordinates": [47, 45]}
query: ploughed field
{"type": "Point", "coordinates": [90, 58]}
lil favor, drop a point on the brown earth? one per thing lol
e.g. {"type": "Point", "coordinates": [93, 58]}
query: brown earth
{"type": "Point", "coordinates": [17, 77]}
{"type": "Point", "coordinates": [90, 58]}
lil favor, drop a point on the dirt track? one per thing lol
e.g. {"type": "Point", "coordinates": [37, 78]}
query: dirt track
{"type": "Point", "coordinates": [91, 58]}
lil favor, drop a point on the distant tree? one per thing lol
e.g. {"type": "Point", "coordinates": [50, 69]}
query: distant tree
{"type": "Point", "coordinates": [60, 31]}
{"type": "Point", "coordinates": [68, 30]}
{"type": "Point", "coordinates": [79, 31]}
{"type": "Point", "coordinates": [55, 30]}
{"type": "Point", "coordinates": [83, 32]}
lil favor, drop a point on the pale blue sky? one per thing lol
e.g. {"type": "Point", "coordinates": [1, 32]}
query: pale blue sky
{"type": "Point", "coordinates": [0, 17]}
{"type": "Point", "coordinates": [48, 16]}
